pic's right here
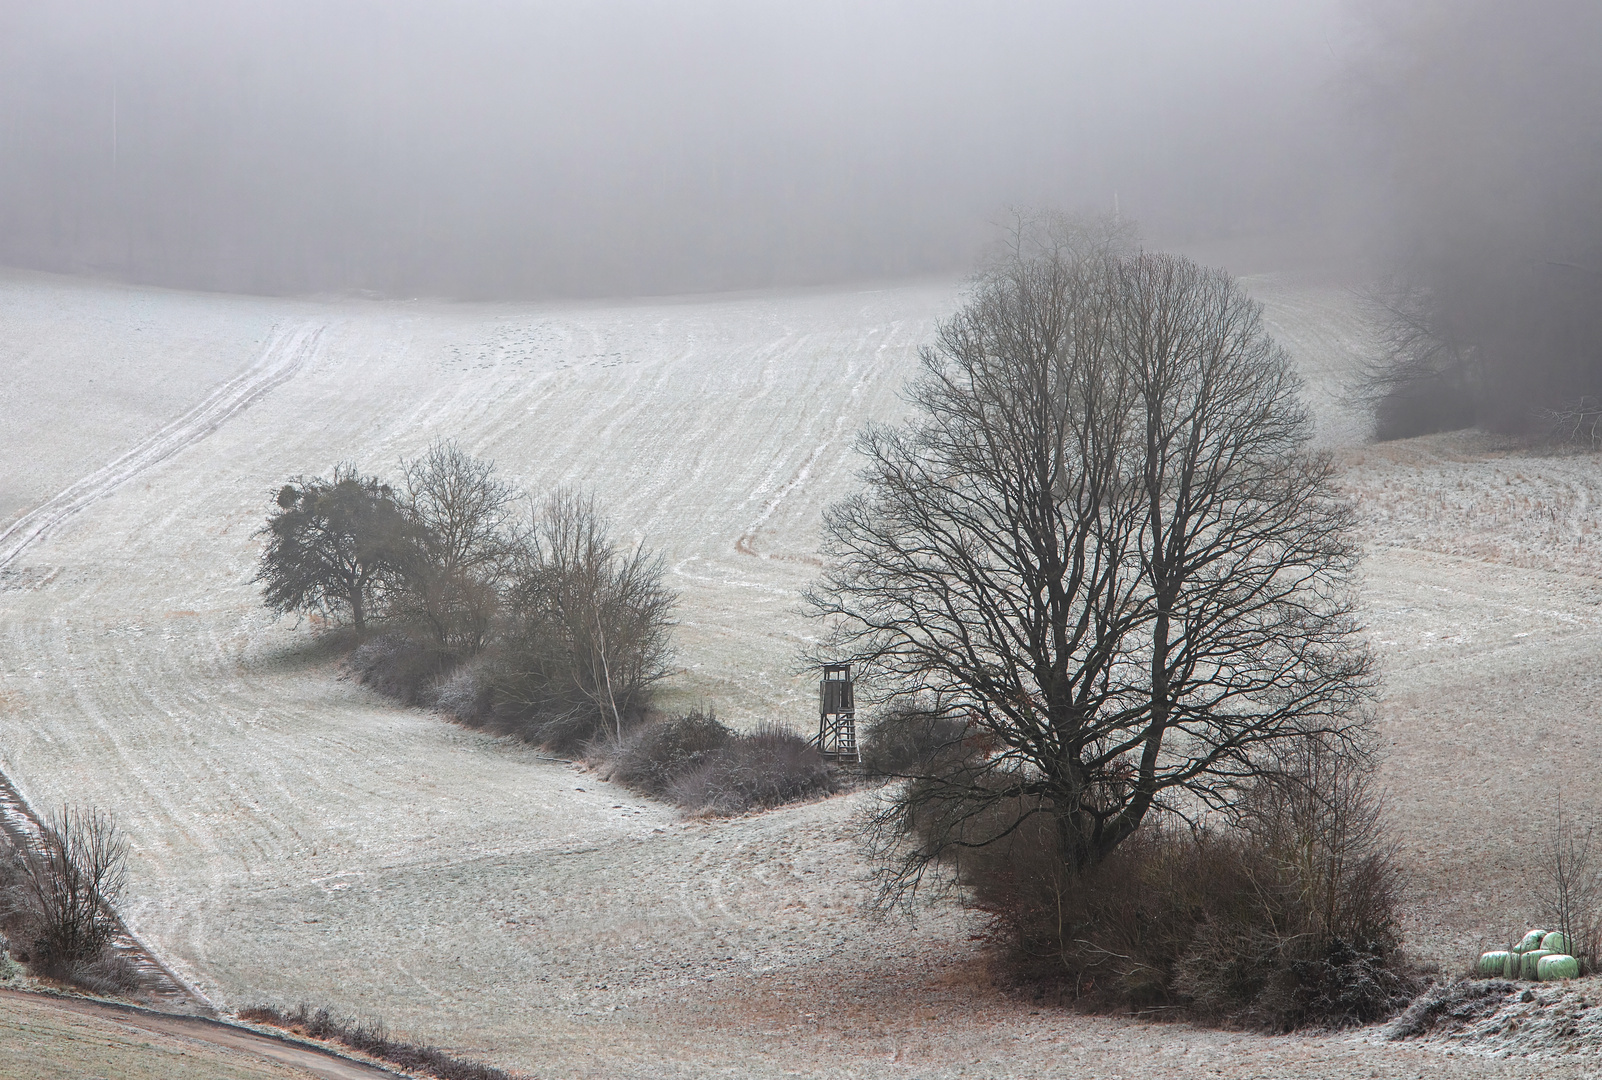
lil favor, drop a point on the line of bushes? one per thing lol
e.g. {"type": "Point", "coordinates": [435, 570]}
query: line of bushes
{"type": "Point", "coordinates": [534, 624]}
{"type": "Point", "coordinates": [464, 594]}
{"type": "Point", "coordinates": [372, 1039]}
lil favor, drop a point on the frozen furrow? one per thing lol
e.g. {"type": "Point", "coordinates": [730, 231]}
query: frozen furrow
{"type": "Point", "coordinates": [284, 356]}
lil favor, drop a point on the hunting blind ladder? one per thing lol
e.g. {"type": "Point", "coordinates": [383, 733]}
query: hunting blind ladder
{"type": "Point", "coordinates": [837, 716]}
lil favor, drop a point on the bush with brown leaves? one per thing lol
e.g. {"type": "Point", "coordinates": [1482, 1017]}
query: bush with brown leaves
{"type": "Point", "coordinates": [700, 764]}
{"type": "Point", "coordinates": [1285, 918]}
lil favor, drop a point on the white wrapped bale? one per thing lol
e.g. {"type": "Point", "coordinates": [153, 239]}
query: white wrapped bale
{"type": "Point", "coordinates": [1530, 964]}
{"type": "Point", "coordinates": [1558, 966]}
{"type": "Point", "coordinates": [1493, 963]}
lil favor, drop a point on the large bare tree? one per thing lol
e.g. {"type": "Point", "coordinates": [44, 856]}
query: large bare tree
{"type": "Point", "coordinates": [1100, 543]}
{"type": "Point", "coordinates": [461, 512]}
{"type": "Point", "coordinates": [588, 638]}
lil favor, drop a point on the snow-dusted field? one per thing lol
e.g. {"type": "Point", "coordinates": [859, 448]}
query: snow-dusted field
{"type": "Point", "coordinates": [87, 371]}
{"type": "Point", "coordinates": [297, 838]}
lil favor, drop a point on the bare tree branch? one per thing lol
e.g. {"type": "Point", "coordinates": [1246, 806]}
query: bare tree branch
{"type": "Point", "coordinates": [1103, 545]}
{"type": "Point", "coordinates": [589, 625]}
{"type": "Point", "coordinates": [462, 516]}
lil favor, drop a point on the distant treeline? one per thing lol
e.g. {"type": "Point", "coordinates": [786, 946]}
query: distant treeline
{"type": "Point", "coordinates": [1491, 115]}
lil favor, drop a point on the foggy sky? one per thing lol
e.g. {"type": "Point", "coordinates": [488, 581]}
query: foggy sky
{"type": "Point", "coordinates": [483, 148]}
{"type": "Point", "coordinates": [1488, 121]}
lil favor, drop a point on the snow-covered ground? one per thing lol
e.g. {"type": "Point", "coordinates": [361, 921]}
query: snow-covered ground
{"type": "Point", "coordinates": [88, 370]}
{"type": "Point", "coordinates": [296, 838]}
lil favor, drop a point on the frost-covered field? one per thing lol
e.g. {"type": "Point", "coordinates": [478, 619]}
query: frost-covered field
{"type": "Point", "coordinates": [1484, 598]}
{"type": "Point", "coordinates": [298, 839]}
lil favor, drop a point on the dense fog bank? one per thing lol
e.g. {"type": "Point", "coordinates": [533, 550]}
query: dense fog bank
{"type": "Point", "coordinates": [488, 148]}
{"type": "Point", "coordinates": [1488, 116]}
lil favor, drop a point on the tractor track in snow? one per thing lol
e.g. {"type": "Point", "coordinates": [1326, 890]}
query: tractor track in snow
{"type": "Point", "coordinates": [284, 356]}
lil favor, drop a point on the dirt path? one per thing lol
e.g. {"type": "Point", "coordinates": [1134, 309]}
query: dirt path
{"type": "Point", "coordinates": [313, 1060]}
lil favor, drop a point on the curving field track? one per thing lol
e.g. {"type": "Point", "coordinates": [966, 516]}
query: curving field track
{"type": "Point", "coordinates": [285, 355]}
{"type": "Point", "coordinates": [296, 838]}
{"type": "Point", "coordinates": [45, 1037]}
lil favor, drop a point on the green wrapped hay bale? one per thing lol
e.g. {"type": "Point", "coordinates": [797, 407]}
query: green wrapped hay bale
{"type": "Point", "coordinates": [1510, 970]}
{"type": "Point", "coordinates": [1531, 942]}
{"type": "Point", "coordinates": [1530, 964]}
{"type": "Point", "coordinates": [1555, 942]}
{"type": "Point", "coordinates": [1558, 966]}
{"type": "Point", "coordinates": [1493, 963]}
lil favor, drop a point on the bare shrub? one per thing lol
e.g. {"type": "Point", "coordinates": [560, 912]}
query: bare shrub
{"type": "Point", "coordinates": [399, 668]}
{"type": "Point", "coordinates": [700, 764]}
{"type": "Point", "coordinates": [18, 908]}
{"type": "Point", "coordinates": [588, 630]}
{"type": "Point", "coordinates": [1283, 919]}
{"type": "Point", "coordinates": [73, 876]}
{"type": "Point", "coordinates": [768, 768]}
{"type": "Point", "coordinates": [1568, 887]}
{"type": "Point", "coordinates": [1317, 925]}
{"type": "Point", "coordinates": [25, 922]}
{"type": "Point", "coordinates": [110, 974]}
{"type": "Point", "coordinates": [371, 1038]}
{"type": "Point", "coordinates": [653, 756]}
{"type": "Point", "coordinates": [908, 741]}
{"type": "Point", "coordinates": [1450, 1006]}
{"type": "Point", "coordinates": [466, 693]}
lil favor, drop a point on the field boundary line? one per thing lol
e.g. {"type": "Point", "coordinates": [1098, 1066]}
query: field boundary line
{"type": "Point", "coordinates": [287, 352]}
{"type": "Point", "coordinates": [236, 1036]}
{"type": "Point", "coordinates": [21, 828]}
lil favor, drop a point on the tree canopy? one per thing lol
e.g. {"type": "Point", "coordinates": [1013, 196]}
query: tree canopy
{"type": "Point", "coordinates": [334, 544]}
{"type": "Point", "coordinates": [1102, 545]}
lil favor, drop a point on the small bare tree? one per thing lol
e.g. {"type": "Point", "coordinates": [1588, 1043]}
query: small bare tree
{"type": "Point", "coordinates": [462, 513]}
{"type": "Point", "coordinates": [1318, 815]}
{"type": "Point", "coordinates": [1424, 376]}
{"type": "Point", "coordinates": [589, 625]}
{"type": "Point", "coordinates": [1568, 886]}
{"type": "Point", "coordinates": [74, 876]}
{"type": "Point", "coordinates": [1103, 546]}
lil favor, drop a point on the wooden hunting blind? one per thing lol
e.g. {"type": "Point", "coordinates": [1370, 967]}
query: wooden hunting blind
{"type": "Point", "coordinates": [837, 715]}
